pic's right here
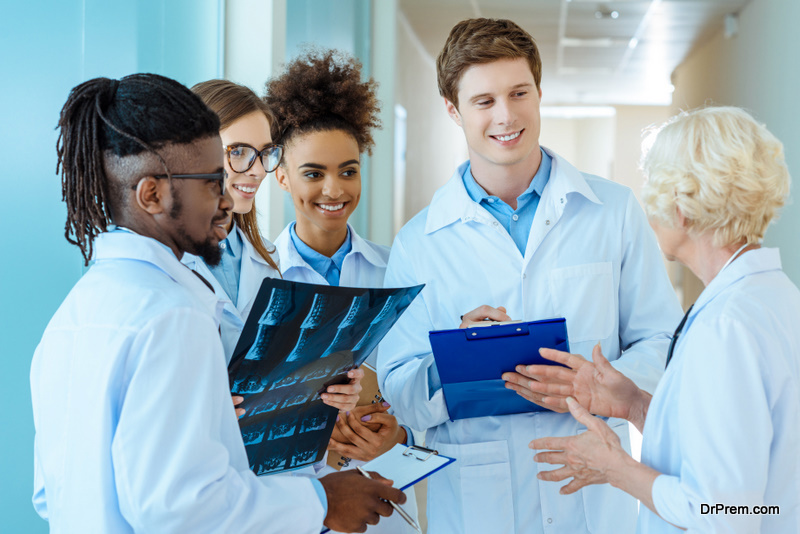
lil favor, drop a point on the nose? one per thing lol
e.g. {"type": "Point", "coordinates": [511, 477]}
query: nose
{"type": "Point", "coordinates": [503, 114]}
{"type": "Point", "coordinates": [331, 187]}
{"type": "Point", "coordinates": [257, 171]}
{"type": "Point", "coordinates": [226, 200]}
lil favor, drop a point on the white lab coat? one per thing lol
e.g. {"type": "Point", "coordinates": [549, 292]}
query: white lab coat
{"type": "Point", "coordinates": [363, 266]}
{"type": "Point", "coordinates": [253, 271]}
{"type": "Point", "coordinates": [591, 257]}
{"type": "Point", "coordinates": [723, 425]}
{"type": "Point", "coordinates": [135, 431]}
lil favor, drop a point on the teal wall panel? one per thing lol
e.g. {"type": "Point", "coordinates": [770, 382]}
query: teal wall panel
{"type": "Point", "coordinates": [46, 48]}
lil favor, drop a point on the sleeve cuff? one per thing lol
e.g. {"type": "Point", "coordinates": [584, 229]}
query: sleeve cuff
{"type": "Point", "coordinates": [670, 502]}
{"type": "Point", "coordinates": [409, 436]}
{"type": "Point", "coordinates": [321, 494]}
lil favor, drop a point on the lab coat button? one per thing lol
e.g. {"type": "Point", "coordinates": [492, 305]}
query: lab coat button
{"type": "Point", "coordinates": [549, 519]}
{"type": "Point", "coordinates": [547, 222]}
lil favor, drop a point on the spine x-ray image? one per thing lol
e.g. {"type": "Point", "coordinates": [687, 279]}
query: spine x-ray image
{"type": "Point", "coordinates": [298, 340]}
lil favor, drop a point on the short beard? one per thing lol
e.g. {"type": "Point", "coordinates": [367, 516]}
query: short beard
{"type": "Point", "coordinates": [210, 253]}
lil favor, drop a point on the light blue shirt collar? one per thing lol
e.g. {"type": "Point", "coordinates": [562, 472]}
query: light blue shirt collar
{"type": "Point", "coordinates": [328, 268]}
{"type": "Point", "coordinates": [479, 194]}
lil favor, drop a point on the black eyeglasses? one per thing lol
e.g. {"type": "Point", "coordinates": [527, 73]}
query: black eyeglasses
{"type": "Point", "coordinates": [242, 157]}
{"type": "Point", "coordinates": [219, 176]}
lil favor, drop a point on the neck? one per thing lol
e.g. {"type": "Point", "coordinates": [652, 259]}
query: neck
{"type": "Point", "coordinates": [707, 261]}
{"type": "Point", "coordinates": [326, 243]}
{"type": "Point", "coordinates": [148, 228]}
{"type": "Point", "coordinates": [507, 182]}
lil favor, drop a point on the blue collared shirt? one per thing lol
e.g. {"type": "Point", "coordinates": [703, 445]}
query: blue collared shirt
{"type": "Point", "coordinates": [328, 268]}
{"type": "Point", "coordinates": [516, 222]}
{"type": "Point", "coordinates": [230, 268]}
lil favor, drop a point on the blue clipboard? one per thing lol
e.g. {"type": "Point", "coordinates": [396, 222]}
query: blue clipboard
{"type": "Point", "coordinates": [471, 361]}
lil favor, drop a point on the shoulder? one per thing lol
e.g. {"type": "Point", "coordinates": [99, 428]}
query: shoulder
{"type": "Point", "coordinates": [414, 228]}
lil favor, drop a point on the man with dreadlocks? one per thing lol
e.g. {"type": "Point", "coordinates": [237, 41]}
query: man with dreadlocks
{"type": "Point", "coordinates": [135, 431]}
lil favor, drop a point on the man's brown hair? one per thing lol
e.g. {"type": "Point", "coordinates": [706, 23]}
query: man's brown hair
{"type": "Point", "coordinates": [477, 41]}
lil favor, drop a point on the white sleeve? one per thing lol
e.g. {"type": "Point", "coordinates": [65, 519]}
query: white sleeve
{"type": "Point", "coordinates": [179, 462]}
{"type": "Point", "coordinates": [648, 307]}
{"type": "Point", "coordinates": [725, 430]}
{"type": "Point", "coordinates": [407, 374]}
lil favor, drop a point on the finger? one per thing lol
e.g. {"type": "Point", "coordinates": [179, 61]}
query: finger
{"type": "Point", "coordinates": [599, 359]}
{"type": "Point", "coordinates": [368, 409]}
{"type": "Point", "coordinates": [543, 388]}
{"type": "Point", "coordinates": [548, 373]}
{"type": "Point", "coordinates": [557, 404]}
{"type": "Point", "coordinates": [485, 312]}
{"type": "Point", "coordinates": [354, 388]}
{"type": "Point", "coordinates": [535, 398]}
{"type": "Point", "coordinates": [574, 485]}
{"type": "Point", "coordinates": [237, 400]}
{"type": "Point", "coordinates": [363, 432]}
{"type": "Point", "coordinates": [343, 449]}
{"type": "Point", "coordinates": [573, 361]}
{"type": "Point", "coordinates": [344, 403]}
{"type": "Point", "coordinates": [549, 444]}
{"type": "Point", "coordinates": [393, 494]}
{"type": "Point", "coordinates": [384, 508]}
{"type": "Point", "coordinates": [240, 412]}
{"type": "Point", "coordinates": [355, 374]}
{"type": "Point", "coordinates": [583, 416]}
{"type": "Point", "coordinates": [383, 419]}
{"type": "Point", "coordinates": [556, 475]}
{"type": "Point", "coordinates": [516, 378]}
{"type": "Point", "coordinates": [551, 457]}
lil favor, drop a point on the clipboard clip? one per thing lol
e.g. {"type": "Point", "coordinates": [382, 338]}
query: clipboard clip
{"type": "Point", "coordinates": [410, 452]}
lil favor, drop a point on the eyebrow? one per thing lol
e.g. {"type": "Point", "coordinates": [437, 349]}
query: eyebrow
{"type": "Point", "coordinates": [512, 88]}
{"type": "Point", "coordinates": [323, 167]}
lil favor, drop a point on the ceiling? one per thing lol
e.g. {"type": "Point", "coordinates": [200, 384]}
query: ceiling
{"type": "Point", "coordinates": [593, 53]}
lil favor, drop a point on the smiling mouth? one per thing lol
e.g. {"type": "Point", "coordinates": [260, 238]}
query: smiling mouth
{"type": "Point", "coordinates": [507, 137]}
{"type": "Point", "coordinates": [332, 207]}
{"type": "Point", "coordinates": [244, 188]}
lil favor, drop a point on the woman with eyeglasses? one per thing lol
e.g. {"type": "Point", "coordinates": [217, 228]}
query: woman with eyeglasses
{"type": "Point", "coordinates": [326, 116]}
{"type": "Point", "coordinates": [721, 445]}
{"type": "Point", "coordinates": [247, 258]}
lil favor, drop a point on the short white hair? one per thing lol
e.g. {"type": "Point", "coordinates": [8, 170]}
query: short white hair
{"type": "Point", "coordinates": [725, 171]}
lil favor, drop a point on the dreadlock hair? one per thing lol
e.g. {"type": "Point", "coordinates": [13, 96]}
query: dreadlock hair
{"type": "Point", "coordinates": [104, 117]}
{"type": "Point", "coordinates": [231, 101]}
{"type": "Point", "coordinates": [322, 91]}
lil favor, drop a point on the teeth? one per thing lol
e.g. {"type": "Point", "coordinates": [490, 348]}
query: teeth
{"type": "Point", "coordinates": [331, 207]}
{"type": "Point", "coordinates": [245, 189]}
{"type": "Point", "coordinates": [508, 137]}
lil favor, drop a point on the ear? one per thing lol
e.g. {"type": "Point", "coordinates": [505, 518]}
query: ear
{"type": "Point", "coordinates": [452, 110]}
{"type": "Point", "coordinates": [283, 178]}
{"type": "Point", "coordinates": [150, 193]}
{"type": "Point", "coordinates": [680, 218]}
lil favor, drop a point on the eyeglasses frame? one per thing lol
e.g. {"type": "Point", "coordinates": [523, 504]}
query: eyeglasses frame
{"type": "Point", "coordinates": [259, 155]}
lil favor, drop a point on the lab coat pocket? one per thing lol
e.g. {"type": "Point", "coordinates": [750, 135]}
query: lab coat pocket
{"type": "Point", "coordinates": [484, 486]}
{"type": "Point", "coordinates": [584, 295]}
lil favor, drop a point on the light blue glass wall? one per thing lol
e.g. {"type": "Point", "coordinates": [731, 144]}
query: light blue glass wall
{"type": "Point", "coordinates": [46, 48]}
{"type": "Point", "coordinates": [343, 25]}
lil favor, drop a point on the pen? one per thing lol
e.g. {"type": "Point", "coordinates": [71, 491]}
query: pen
{"type": "Point", "coordinates": [396, 506]}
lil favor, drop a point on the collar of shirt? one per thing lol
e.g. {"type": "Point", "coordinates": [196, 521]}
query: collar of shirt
{"type": "Point", "coordinates": [232, 245]}
{"type": "Point", "coordinates": [479, 194]}
{"type": "Point", "coordinates": [125, 244]}
{"type": "Point", "coordinates": [328, 268]}
{"type": "Point", "coordinates": [290, 258]}
{"type": "Point", "coordinates": [751, 262]}
{"type": "Point", "coordinates": [451, 202]}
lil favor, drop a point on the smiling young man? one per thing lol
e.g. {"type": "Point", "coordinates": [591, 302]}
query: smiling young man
{"type": "Point", "coordinates": [135, 429]}
{"type": "Point", "coordinates": [520, 228]}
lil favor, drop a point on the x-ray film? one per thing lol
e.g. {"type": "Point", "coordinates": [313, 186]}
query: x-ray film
{"type": "Point", "coordinates": [298, 340]}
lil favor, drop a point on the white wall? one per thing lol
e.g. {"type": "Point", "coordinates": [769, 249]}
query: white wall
{"type": "Point", "coordinates": [435, 145]}
{"type": "Point", "coordinates": [758, 69]}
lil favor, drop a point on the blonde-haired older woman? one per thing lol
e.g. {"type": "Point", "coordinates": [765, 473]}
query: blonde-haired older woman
{"type": "Point", "coordinates": [723, 427]}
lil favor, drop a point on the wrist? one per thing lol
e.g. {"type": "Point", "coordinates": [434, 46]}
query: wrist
{"type": "Point", "coordinates": [638, 413]}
